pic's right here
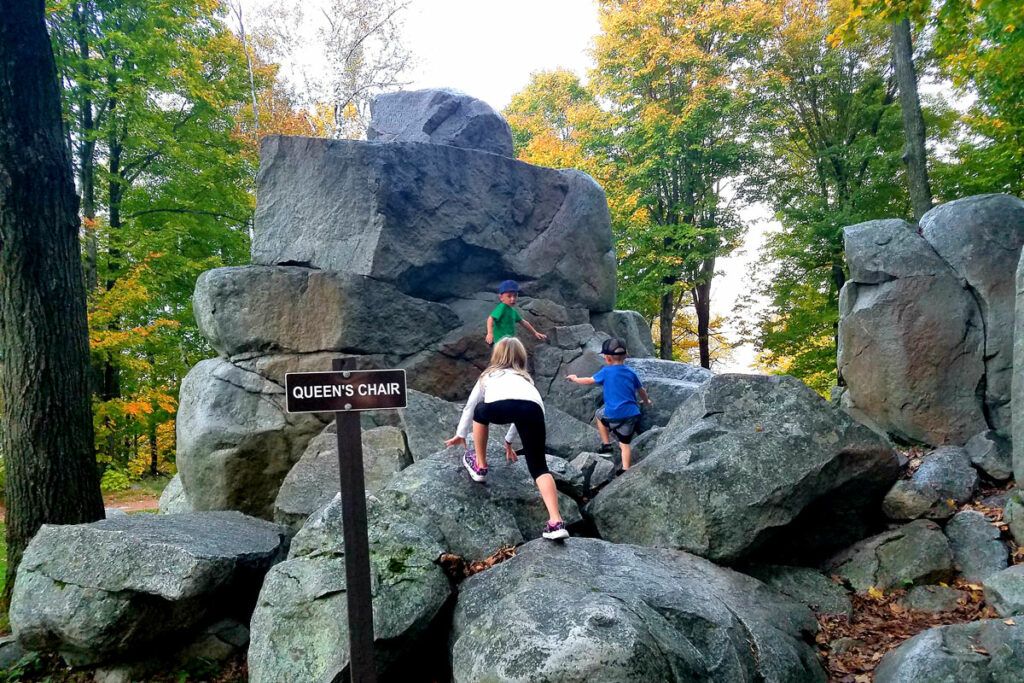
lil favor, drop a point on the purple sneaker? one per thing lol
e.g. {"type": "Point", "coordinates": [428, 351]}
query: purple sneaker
{"type": "Point", "coordinates": [475, 473]}
{"type": "Point", "coordinates": [555, 531]}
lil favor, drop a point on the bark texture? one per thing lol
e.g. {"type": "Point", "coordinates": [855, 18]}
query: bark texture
{"type": "Point", "coordinates": [47, 437]}
{"type": "Point", "coordinates": [914, 155]}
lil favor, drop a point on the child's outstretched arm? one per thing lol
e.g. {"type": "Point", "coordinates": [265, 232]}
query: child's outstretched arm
{"type": "Point", "coordinates": [580, 380]}
{"type": "Point", "coordinates": [644, 398]}
{"type": "Point", "coordinates": [530, 327]}
{"type": "Point", "coordinates": [490, 330]}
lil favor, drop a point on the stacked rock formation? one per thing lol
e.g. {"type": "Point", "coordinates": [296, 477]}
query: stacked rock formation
{"type": "Point", "coordinates": [390, 252]}
{"type": "Point", "coordinates": [926, 328]}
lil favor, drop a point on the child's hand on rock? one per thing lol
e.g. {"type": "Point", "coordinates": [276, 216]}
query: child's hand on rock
{"type": "Point", "coordinates": [455, 441]}
{"type": "Point", "coordinates": [510, 453]}
{"type": "Point", "coordinates": [541, 336]}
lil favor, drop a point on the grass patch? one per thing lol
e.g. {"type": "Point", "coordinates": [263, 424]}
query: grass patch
{"type": "Point", "coordinates": [147, 487]}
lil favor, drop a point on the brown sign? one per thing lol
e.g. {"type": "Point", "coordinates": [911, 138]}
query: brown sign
{"type": "Point", "coordinates": [346, 390]}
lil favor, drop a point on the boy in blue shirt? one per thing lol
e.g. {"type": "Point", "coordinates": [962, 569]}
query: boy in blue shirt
{"type": "Point", "coordinates": [621, 412]}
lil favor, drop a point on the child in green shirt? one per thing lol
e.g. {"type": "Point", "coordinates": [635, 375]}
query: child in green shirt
{"type": "Point", "coordinates": [502, 321]}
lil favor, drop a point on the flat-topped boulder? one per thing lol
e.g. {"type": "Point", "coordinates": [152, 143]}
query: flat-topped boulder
{"type": "Point", "coordinates": [475, 519]}
{"type": "Point", "coordinates": [440, 116]}
{"type": "Point", "coordinates": [911, 337]}
{"type": "Point", "coordinates": [751, 463]}
{"type": "Point", "coordinates": [572, 611]}
{"type": "Point", "coordinates": [278, 309]}
{"type": "Point", "coordinates": [434, 221]}
{"type": "Point", "coordinates": [115, 587]}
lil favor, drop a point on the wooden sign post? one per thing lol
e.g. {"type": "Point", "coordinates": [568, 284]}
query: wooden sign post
{"type": "Point", "coordinates": [346, 391]}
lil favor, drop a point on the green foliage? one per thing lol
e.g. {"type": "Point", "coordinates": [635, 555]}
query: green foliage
{"type": "Point", "coordinates": [152, 90]}
{"type": "Point", "coordinates": [114, 480]}
{"type": "Point", "coordinates": [980, 46]}
{"type": "Point", "coordinates": [830, 136]}
{"type": "Point", "coordinates": [681, 104]}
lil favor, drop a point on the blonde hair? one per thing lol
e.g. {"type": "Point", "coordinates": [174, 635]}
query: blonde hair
{"type": "Point", "coordinates": [509, 354]}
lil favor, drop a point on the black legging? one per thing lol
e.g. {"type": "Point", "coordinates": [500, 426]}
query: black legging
{"type": "Point", "coordinates": [528, 417]}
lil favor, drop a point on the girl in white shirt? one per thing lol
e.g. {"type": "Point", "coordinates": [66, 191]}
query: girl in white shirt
{"type": "Point", "coordinates": [505, 394]}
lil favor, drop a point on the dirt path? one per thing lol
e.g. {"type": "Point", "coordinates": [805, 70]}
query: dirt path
{"type": "Point", "coordinates": [134, 505]}
{"type": "Point", "coordinates": [147, 503]}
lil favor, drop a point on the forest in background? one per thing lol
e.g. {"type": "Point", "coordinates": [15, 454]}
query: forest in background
{"type": "Point", "coordinates": [693, 110]}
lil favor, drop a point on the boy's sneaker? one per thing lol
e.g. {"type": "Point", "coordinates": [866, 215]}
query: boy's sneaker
{"type": "Point", "coordinates": [555, 531]}
{"type": "Point", "coordinates": [475, 473]}
{"type": "Point", "coordinates": [605, 450]}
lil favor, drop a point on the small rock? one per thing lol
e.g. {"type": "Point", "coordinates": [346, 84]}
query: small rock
{"type": "Point", "coordinates": [907, 499]}
{"type": "Point", "coordinates": [1013, 515]}
{"type": "Point", "coordinates": [843, 645]}
{"type": "Point", "coordinates": [597, 471]}
{"type": "Point", "coordinates": [932, 598]}
{"type": "Point", "coordinates": [10, 652]}
{"type": "Point", "coordinates": [917, 553]}
{"type": "Point", "coordinates": [948, 470]}
{"type": "Point", "coordinates": [1004, 590]}
{"type": "Point", "coordinates": [992, 454]}
{"type": "Point", "coordinates": [173, 499]}
{"type": "Point", "coordinates": [976, 545]}
{"type": "Point", "coordinates": [950, 654]}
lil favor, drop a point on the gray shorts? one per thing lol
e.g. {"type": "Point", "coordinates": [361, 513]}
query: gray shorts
{"type": "Point", "coordinates": [623, 429]}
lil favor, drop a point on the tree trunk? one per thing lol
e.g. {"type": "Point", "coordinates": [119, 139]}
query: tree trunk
{"type": "Point", "coordinates": [665, 317]}
{"type": "Point", "coordinates": [702, 307]}
{"type": "Point", "coordinates": [47, 436]}
{"type": "Point", "coordinates": [914, 155]}
{"type": "Point", "coordinates": [87, 158]}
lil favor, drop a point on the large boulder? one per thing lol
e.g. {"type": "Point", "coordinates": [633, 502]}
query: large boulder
{"type": "Point", "coordinates": [277, 309]}
{"type": "Point", "coordinates": [314, 480]}
{"type": "Point", "coordinates": [1017, 428]}
{"type": "Point", "coordinates": [751, 463]}
{"type": "Point", "coordinates": [434, 221]}
{"type": "Point", "coordinates": [236, 443]}
{"type": "Point", "coordinates": [299, 630]}
{"type": "Point", "coordinates": [911, 337]}
{"type": "Point", "coordinates": [981, 238]}
{"type": "Point", "coordinates": [915, 553]}
{"type": "Point", "coordinates": [450, 368]}
{"type": "Point", "coordinates": [475, 519]}
{"type": "Point", "coordinates": [989, 651]}
{"type": "Point", "coordinates": [120, 586]}
{"type": "Point", "coordinates": [630, 327]}
{"type": "Point", "coordinates": [428, 421]}
{"type": "Point", "coordinates": [669, 384]}
{"type": "Point", "coordinates": [587, 610]}
{"type": "Point", "coordinates": [439, 116]}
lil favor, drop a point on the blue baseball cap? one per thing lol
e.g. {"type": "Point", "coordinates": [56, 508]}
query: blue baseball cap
{"type": "Point", "coordinates": [508, 286]}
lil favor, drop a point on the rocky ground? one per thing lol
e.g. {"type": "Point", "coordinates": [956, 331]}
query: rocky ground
{"type": "Point", "coordinates": [880, 621]}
